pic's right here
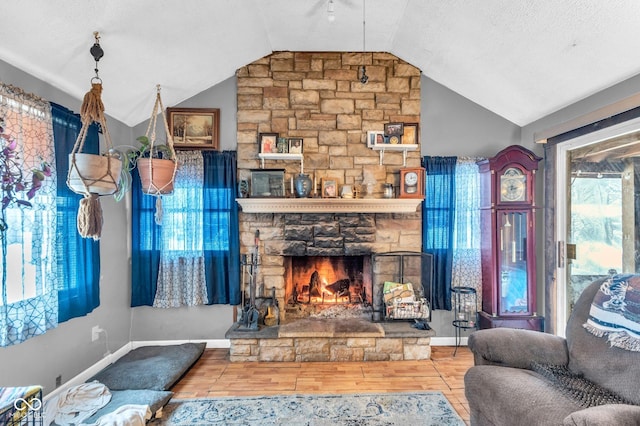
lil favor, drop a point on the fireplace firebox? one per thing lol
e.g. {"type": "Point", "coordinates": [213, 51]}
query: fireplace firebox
{"type": "Point", "coordinates": [321, 282]}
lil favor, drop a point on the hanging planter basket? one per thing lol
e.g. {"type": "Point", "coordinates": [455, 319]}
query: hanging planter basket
{"type": "Point", "coordinates": [89, 174]}
{"type": "Point", "coordinates": [156, 175]}
{"type": "Point", "coordinates": [158, 170]}
{"type": "Point", "coordinates": [93, 174]}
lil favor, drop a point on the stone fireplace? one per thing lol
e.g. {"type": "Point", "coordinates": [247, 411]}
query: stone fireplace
{"type": "Point", "coordinates": [316, 96]}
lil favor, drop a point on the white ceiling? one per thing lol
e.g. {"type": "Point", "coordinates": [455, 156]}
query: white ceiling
{"type": "Point", "coordinates": [521, 59]}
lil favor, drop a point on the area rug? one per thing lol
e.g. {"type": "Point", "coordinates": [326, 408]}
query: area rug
{"type": "Point", "coordinates": [429, 408]}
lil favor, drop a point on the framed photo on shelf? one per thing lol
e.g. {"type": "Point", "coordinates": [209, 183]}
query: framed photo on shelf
{"type": "Point", "coordinates": [374, 138]}
{"type": "Point", "coordinates": [393, 129]}
{"type": "Point", "coordinates": [194, 128]}
{"type": "Point", "coordinates": [329, 188]}
{"type": "Point", "coordinates": [268, 143]}
{"type": "Point", "coordinates": [283, 146]}
{"type": "Point", "coordinates": [411, 134]}
{"type": "Point", "coordinates": [295, 145]}
{"type": "Point", "coordinates": [267, 183]}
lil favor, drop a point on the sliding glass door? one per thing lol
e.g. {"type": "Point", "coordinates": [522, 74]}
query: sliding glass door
{"type": "Point", "coordinates": [597, 218]}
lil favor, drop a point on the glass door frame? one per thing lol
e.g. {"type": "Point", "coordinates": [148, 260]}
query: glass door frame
{"type": "Point", "coordinates": [562, 181]}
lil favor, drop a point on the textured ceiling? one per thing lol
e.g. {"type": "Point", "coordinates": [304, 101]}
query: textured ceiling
{"type": "Point", "coordinates": [520, 59]}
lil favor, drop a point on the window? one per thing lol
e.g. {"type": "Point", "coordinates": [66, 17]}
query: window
{"type": "Point", "coordinates": [451, 225]}
{"type": "Point", "coordinates": [192, 258]}
{"type": "Point", "coordinates": [28, 305]}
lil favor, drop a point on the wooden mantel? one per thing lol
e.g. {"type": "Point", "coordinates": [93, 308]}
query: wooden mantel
{"type": "Point", "coordinates": [329, 205]}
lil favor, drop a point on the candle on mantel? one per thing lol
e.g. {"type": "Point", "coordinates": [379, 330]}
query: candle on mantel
{"type": "Point", "coordinates": [291, 186]}
{"type": "Point", "coordinates": [315, 186]}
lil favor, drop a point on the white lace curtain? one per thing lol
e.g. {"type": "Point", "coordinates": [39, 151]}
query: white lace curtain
{"type": "Point", "coordinates": [29, 304]}
{"type": "Point", "coordinates": [181, 278]}
{"type": "Point", "coordinates": [467, 267]}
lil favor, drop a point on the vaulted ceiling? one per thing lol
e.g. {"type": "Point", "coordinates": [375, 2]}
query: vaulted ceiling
{"type": "Point", "coordinates": [521, 59]}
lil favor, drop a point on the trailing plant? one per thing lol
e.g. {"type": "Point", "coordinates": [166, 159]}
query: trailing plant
{"type": "Point", "coordinates": [19, 186]}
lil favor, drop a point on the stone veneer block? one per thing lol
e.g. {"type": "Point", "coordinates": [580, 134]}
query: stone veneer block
{"type": "Point", "coordinates": [277, 354]}
{"type": "Point", "coordinates": [346, 354]}
{"type": "Point", "coordinates": [416, 352]}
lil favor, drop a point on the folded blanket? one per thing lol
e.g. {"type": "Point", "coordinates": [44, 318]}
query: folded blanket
{"type": "Point", "coordinates": [615, 312]}
{"type": "Point", "coordinates": [76, 404]}
{"type": "Point", "coordinates": [125, 415]}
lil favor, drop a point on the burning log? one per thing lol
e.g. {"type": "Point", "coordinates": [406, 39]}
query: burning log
{"type": "Point", "coordinates": [315, 285]}
{"type": "Point", "coordinates": [339, 288]}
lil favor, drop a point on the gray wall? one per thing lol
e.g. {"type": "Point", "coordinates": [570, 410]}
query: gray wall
{"type": "Point", "coordinates": [68, 350]}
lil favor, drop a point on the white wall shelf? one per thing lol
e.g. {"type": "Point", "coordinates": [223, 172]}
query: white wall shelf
{"type": "Point", "coordinates": [279, 156]}
{"type": "Point", "coordinates": [329, 205]}
{"type": "Point", "coordinates": [399, 147]}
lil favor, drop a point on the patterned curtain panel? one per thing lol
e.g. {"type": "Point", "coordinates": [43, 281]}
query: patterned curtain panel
{"type": "Point", "coordinates": [193, 257]}
{"type": "Point", "coordinates": [181, 279]}
{"type": "Point", "coordinates": [438, 224]}
{"type": "Point", "coordinates": [466, 264]}
{"type": "Point", "coordinates": [78, 266]}
{"type": "Point", "coordinates": [28, 304]}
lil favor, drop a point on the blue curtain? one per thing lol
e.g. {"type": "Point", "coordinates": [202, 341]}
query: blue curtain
{"type": "Point", "coordinates": [221, 230]}
{"type": "Point", "coordinates": [221, 244]}
{"type": "Point", "coordinates": [146, 239]}
{"type": "Point", "coordinates": [78, 258]}
{"type": "Point", "coordinates": [438, 215]}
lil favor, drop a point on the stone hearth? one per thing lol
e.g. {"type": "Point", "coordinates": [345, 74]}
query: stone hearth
{"type": "Point", "coordinates": [336, 340]}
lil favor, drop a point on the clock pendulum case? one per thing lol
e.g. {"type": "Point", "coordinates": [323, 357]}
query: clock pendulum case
{"type": "Point", "coordinates": [507, 212]}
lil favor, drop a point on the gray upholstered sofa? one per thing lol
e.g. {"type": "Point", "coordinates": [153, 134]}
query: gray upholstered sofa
{"type": "Point", "coordinates": [503, 388]}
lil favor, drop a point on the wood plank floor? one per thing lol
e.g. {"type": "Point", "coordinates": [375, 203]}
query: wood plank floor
{"type": "Point", "coordinates": [213, 375]}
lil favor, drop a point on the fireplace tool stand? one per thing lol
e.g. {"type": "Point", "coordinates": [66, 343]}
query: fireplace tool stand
{"type": "Point", "coordinates": [249, 317]}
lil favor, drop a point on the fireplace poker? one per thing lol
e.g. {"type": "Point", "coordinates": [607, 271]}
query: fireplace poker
{"type": "Point", "coordinates": [252, 312]}
{"type": "Point", "coordinates": [243, 264]}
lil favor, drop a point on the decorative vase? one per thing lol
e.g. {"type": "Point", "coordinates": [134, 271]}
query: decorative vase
{"type": "Point", "coordinates": [303, 185]}
{"type": "Point", "coordinates": [156, 175]}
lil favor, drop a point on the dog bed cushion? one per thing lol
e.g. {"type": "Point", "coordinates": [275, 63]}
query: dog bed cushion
{"type": "Point", "coordinates": [150, 367]}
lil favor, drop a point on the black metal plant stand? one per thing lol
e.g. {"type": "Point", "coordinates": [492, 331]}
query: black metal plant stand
{"type": "Point", "coordinates": [465, 311]}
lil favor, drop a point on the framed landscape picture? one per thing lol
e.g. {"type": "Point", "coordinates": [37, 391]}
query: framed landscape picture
{"type": "Point", "coordinates": [194, 128]}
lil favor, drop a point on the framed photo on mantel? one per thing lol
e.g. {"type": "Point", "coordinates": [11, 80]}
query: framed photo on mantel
{"type": "Point", "coordinates": [267, 183]}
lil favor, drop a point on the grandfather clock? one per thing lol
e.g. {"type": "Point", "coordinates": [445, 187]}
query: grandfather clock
{"type": "Point", "coordinates": [508, 240]}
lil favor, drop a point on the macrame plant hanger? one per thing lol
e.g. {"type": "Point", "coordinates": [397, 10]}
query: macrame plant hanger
{"type": "Point", "coordinates": [157, 186]}
{"type": "Point", "coordinates": [93, 175]}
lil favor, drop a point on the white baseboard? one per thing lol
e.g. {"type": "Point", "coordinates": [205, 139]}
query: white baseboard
{"type": "Point", "coordinates": [448, 341]}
